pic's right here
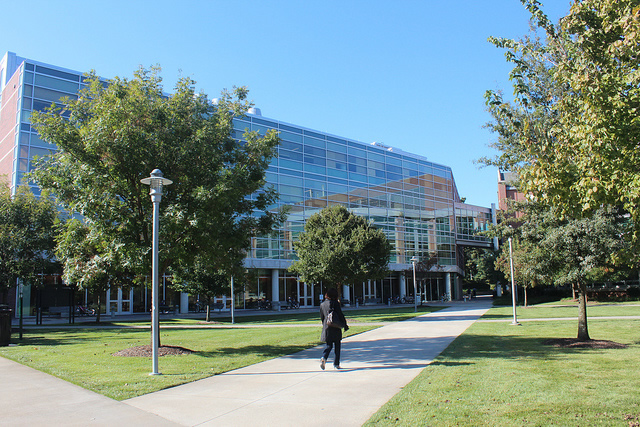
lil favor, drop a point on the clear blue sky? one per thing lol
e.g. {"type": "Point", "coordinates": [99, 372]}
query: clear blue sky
{"type": "Point", "coordinates": [409, 74]}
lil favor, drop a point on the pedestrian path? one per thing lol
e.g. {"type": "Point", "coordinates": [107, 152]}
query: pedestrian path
{"type": "Point", "coordinates": [286, 391]}
{"type": "Point", "coordinates": [30, 398]}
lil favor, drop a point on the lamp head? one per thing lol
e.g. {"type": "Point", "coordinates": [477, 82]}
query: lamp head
{"type": "Point", "coordinates": [156, 181]}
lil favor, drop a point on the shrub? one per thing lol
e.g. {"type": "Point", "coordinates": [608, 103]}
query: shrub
{"type": "Point", "coordinates": [633, 292]}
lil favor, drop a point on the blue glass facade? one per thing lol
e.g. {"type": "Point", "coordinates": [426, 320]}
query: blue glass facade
{"type": "Point", "coordinates": [413, 200]}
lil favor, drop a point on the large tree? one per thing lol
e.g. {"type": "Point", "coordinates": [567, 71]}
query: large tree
{"type": "Point", "coordinates": [548, 248]}
{"type": "Point", "coordinates": [582, 249]}
{"type": "Point", "coordinates": [116, 133]}
{"type": "Point", "coordinates": [571, 130]}
{"type": "Point", "coordinates": [338, 247]}
{"type": "Point", "coordinates": [531, 261]}
{"type": "Point", "coordinates": [89, 261]}
{"type": "Point", "coordinates": [202, 280]}
{"type": "Point", "coordinates": [480, 266]}
{"type": "Point", "coordinates": [26, 237]}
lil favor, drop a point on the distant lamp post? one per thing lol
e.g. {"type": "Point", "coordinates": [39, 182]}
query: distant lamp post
{"type": "Point", "coordinates": [513, 285]}
{"type": "Point", "coordinates": [156, 181]}
{"type": "Point", "coordinates": [415, 286]}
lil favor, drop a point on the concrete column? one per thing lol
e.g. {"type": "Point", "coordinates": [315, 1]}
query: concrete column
{"type": "Point", "coordinates": [130, 300]}
{"type": "Point", "coordinates": [447, 285]}
{"type": "Point", "coordinates": [403, 285]}
{"type": "Point", "coordinates": [184, 302]}
{"type": "Point", "coordinates": [457, 287]}
{"type": "Point", "coordinates": [108, 302]}
{"type": "Point", "coordinates": [345, 292]}
{"type": "Point", "coordinates": [275, 285]}
{"type": "Point", "coordinates": [494, 221]}
{"type": "Point", "coordinates": [119, 300]}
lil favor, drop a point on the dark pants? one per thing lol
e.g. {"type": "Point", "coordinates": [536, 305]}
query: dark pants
{"type": "Point", "coordinates": [327, 350]}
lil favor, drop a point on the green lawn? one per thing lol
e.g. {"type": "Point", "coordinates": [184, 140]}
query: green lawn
{"type": "Point", "coordinates": [496, 374]}
{"type": "Point", "coordinates": [353, 315]}
{"type": "Point", "coordinates": [568, 309]}
{"type": "Point", "coordinates": [83, 354]}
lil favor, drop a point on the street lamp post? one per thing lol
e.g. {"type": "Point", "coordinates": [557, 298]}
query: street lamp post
{"type": "Point", "coordinates": [156, 181]}
{"type": "Point", "coordinates": [513, 285]}
{"type": "Point", "coordinates": [415, 286]}
{"type": "Point", "coordinates": [233, 300]}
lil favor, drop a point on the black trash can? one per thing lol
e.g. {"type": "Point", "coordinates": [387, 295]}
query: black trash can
{"type": "Point", "coordinates": [5, 325]}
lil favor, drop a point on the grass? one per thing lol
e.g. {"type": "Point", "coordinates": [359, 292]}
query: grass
{"type": "Point", "coordinates": [353, 315]}
{"type": "Point", "coordinates": [84, 355]}
{"type": "Point", "coordinates": [564, 309]}
{"type": "Point", "coordinates": [496, 374]}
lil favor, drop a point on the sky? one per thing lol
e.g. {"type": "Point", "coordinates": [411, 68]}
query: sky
{"type": "Point", "coordinates": [410, 74]}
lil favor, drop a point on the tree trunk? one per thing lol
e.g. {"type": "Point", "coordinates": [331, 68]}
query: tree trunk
{"type": "Point", "coordinates": [573, 291]}
{"type": "Point", "coordinates": [583, 331]}
{"type": "Point", "coordinates": [208, 316]}
{"type": "Point", "coordinates": [524, 290]}
{"type": "Point", "coordinates": [98, 309]}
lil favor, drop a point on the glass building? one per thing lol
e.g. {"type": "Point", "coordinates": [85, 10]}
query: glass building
{"type": "Point", "coordinates": [414, 200]}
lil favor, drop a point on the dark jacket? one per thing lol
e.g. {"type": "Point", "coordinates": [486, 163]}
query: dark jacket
{"type": "Point", "coordinates": [331, 334]}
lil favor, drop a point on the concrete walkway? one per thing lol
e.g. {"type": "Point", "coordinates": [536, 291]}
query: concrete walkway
{"type": "Point", "coordinates": [286, 391]}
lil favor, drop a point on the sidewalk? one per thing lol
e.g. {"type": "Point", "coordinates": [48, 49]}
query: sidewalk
{"type": "Point", "coordinates": [286, 391]}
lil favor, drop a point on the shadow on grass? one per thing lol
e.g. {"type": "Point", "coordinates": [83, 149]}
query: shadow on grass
{"type": "Point", "coordinates": [406, 352]}
{"type": "Point", "coordinates": [352, 314]}
{"type": "Point", "coordinates": [258, 350]}
{"type": "Point", "coordinates": [470, 346]}
{"type": "Point", "coordinates": [440, 363]}
{"type": "Point", "coordinates": [62, 336]}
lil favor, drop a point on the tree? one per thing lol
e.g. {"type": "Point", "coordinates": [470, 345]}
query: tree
{"type": "Point", "coordinates": [480, 266]}
{"type": "Point", "coordinates": [115, 134]}
{"type": "Point", "coordinates": [207, 282]}
{"type": "Point", "coordinates": [551, 248]}
{"type": "Point", "coordinates": [26, 237]}
{"type": "Point", "coordinates": [530, 259]}
{"type": "Point", "coordinates": [88, 260]}
{"type": "Point", "coordinates": [423, 269]}
{"type": "Point", "coordinates": [571, 130]}
{"type": "Point", "coordinates": [338, 247]}
{"type": "Point", "coordinates": [583, 248]}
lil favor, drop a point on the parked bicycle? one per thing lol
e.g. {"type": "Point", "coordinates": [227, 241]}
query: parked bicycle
{"type": "Point", "coordinates": [396, 300]}
{"type": "Point", "coordinates": [200, 307]}
{"type": "Point", "coordinates": [264, 304]}
{"type": "Point", "coordinates": [85, 311]}
{"type": "Point", "coordinates": [293, 303]}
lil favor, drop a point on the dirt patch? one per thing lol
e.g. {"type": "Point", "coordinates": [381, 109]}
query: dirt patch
{"type": "Point", "coordinates": [145, 351]}
{"type": "Point", "coordinates": [574, 343]}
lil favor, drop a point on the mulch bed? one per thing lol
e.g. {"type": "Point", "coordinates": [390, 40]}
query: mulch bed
{"type": "Point", "coordinates": [145, 351]}
{"type": "Point", "coordinates": [574, 343]}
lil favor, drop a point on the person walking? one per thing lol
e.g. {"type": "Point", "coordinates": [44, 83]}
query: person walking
{"type": "Point", "coordinates": [332, 335]}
